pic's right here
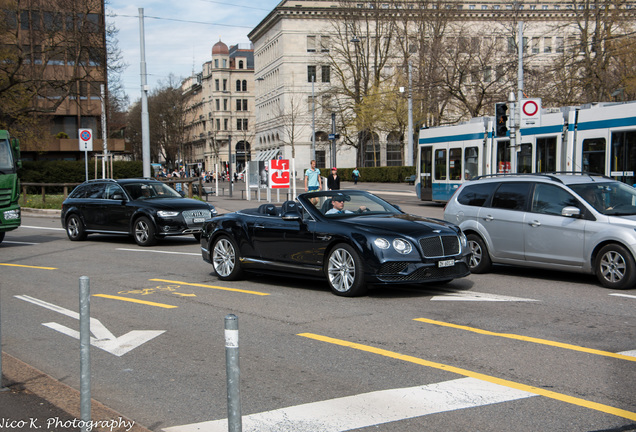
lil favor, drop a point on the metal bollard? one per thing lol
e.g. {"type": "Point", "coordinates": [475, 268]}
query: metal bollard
{"type": "Point", "coordinates": [85, 353]}
{"type": "Point", "coordinates": [234, 420]}
{"type": "Point", "coordinates": [2, 388]}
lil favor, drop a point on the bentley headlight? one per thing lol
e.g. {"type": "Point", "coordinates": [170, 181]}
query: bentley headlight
{"type": "Point", "coordinates": [166, 213]}
{"type": "Point", "coordinates": [381, 243]}
{"type": "Point", "coordinates": [463, 240]}
{"type": "Point", "coordinates": [402, 246]}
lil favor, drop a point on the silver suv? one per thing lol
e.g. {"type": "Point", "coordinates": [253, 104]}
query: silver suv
{"type": "Point", "coordinates": [575, 222]}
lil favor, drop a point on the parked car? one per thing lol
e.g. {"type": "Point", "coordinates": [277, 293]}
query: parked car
{"type": "Point", "coordinates": [576, 222]}
{"type": "Point", "coordinates": [351, 238]}
{"type": "Point", "coordinates": [145, 208]}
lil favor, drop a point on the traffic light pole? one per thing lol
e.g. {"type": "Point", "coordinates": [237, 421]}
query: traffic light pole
{"type": "Point", "coordinates": [512, 125]}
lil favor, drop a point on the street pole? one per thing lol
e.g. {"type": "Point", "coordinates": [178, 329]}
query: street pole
{"type": "Point", "coordinates": [229, 163]}
{"type": "Point", "coordinates": [333, 141]}
{"type": "Point", "coordinates": [145, 121]}
{"type": "Point", "coordinates": [313, 119]}
{"type": "Point", "coordinates": [104, 132]}
{"type": "Point", "coordinates": [409, 150]}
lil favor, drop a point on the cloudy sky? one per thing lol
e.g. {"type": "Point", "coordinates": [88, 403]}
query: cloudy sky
{"type": "Point", "coordinates": [179, 35]}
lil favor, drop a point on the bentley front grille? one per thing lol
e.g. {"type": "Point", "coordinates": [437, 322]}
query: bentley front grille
{"type": "Point", "coordinates": [440, 246]}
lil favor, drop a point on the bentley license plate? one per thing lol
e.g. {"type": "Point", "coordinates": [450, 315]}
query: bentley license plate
{"type": "Point", "coordinates": [198, 220]}
{"type": "Point", "coordinates": [446, 263]}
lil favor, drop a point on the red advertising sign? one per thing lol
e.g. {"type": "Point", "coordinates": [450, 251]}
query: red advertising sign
{"type": "Point", "coordinates": [279, 174]}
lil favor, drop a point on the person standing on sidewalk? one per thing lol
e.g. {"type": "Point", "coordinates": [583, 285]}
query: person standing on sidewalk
{"type": "Point", "coordinates": [333, 181]}
{"type": "Point", "coordinates": [312, 180]}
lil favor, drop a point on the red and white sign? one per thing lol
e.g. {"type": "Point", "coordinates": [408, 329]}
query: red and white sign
{"type": "Point", "coordinates": [531, 112]}
{"type": "Point", "coordinates": [279, 174]}
{"type": "Point", "coordinates": [85, 139]}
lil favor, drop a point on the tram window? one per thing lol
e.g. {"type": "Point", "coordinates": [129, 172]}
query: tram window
{"type": "Point", "coordinates": [546, 154]}
{"type": "Point", "coordinates": [524, 159]}
{"type": "Point", "coordinates": [440, 164]}
{"type": "Point", "coordinates": [623, 160]}
{"type": "Point", "coordinates": [455, 163]}
{"type": "Point", "coordinates": [594, 155]}
{"type": "Point", "coordinates": [471, 162]}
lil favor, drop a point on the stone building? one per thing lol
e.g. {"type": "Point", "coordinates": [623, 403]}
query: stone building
{"type": "Point", "coordinates": [220, 109]}
{"type": "Point", "coordinates": [319, 59]}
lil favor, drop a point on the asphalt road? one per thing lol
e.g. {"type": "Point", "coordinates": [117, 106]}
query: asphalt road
{"type": "Point", "coordinates": [516, 349]}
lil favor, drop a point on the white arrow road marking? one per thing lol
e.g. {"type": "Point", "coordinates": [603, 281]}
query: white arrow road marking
{"type": "Point", "coordinates": [369, 409]}
{"type": "Point", "coordinates": [631, 353]}
{"type": "Point", "coordinates": [159, 251]}
{"type": "Point", "coordinates": [623, 295]}
{"type": "Point", "coordinates": [42, 228]}
{"type": "Point", "coordinates": [477, 296]}
{"type": "Point", "coordinates": [103, 338]}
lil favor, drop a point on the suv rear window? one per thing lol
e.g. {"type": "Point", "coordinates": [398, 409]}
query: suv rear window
{"type": "Point", "coordinates": [477, 194]}
{"type": "Point", "coordinates": [511, 196]}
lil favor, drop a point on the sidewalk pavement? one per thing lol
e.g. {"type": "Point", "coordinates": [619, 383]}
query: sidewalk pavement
{"type": "Point", "coordinates": [33, 400]}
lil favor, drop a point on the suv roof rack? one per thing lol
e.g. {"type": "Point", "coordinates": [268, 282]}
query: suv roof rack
{"type": "Point", "coordinates": [550, 174]}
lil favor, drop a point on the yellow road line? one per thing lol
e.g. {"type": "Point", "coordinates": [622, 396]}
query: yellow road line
{"type": "Point", "coordinates": [28, 266]}
{"type": "Point", "coordinates": [212, 287]}
{"type": "Point", "coordinates": [530, 339]}
{"type": "Point", "coordinates": [149, 303]}
{"type": "Point", "coordinates": [524, 387]}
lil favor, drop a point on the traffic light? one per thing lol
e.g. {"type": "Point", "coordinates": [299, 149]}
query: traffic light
{"type": "Point", "coordinates": [501, 119]}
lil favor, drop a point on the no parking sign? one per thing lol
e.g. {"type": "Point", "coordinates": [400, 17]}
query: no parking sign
{"type": "Point", "coordinates": [85, 139]}
{"type": "Point", "coordinates": [531, 112]}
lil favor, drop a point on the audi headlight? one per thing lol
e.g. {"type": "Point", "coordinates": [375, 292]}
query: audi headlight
{"type": "Point", "coordinates": [381, 243]}
{"type": "Point", "coordinates": [402, 246]}
{"type": "Point", "coordinates": [166, 213]}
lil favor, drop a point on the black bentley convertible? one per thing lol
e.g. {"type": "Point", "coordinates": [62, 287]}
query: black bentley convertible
{"type": "Point", "coordinates": [352, 238]}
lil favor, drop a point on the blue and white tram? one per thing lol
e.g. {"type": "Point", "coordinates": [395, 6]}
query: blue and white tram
{"type": "Point", "coordinates": [449, 155]}
{"type": "Point", "coordinates": [601, 138]}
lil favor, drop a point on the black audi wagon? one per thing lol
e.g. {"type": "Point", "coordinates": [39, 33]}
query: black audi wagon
{"type": "Point", "coordinates": [144, 208]}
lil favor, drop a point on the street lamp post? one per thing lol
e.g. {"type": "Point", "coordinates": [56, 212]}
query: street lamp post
{"type": "Point", "coordinates": [313, 118]}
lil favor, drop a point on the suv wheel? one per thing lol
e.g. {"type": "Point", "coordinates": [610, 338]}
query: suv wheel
{"type": "Point", "coordinates": [614, 267]}
{"type": "Point", "coordinates": [74, 228]}
{"type": "Point", "coordinates": [480, 260]}
{"type": "Point", "coordinates": [144, 232]}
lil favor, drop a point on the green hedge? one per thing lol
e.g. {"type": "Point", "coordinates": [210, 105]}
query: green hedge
{"type": "Point", "coordinates": [393, 174]}
{"type": "Point", "coordinates": [72, 171]}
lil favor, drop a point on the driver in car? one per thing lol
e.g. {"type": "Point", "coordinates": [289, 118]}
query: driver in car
{"type": "Point", "coordinates": [338, 205]}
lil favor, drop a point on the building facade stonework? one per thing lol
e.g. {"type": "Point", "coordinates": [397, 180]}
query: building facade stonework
{"type": "Point", "coordinates": [314, 58]}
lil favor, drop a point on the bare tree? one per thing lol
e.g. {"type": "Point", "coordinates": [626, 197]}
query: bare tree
{"type": "Point", "coordinates": [48, 56]}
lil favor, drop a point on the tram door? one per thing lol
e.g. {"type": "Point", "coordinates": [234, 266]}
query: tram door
{"type": "Point", "coordinates": [594, 155]}
{"type": "Point", "coordinates": [623, 156]}
{"type": "Point", "coordinates": [426, 177]}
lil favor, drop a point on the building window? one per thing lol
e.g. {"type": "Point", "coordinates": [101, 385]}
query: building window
{"type": "Point", "coordinates": [224, 63]}
{"type": "Point", "coordinates": [326, 74]}
{"type": "Point", "coordinates": [240, 64]}
{"type": "Point", "coordinates": [216, 85]}
{"type": "Point", "coordinates": [224, 104]}
{"type": "Point", "coordinates": [218, 104]}
{"type": "Point", "coordinates": [311, 73]}
{"type": "Point", "coordinates": [218, 124]}
{"type": "Point", "coordinates": [244, 85]}
{"type": "Point", "coordinates": [224, 85]}
{"type": "Point", "coordinates": [311, 43]}
{"type": "Point", "coordinates": [325, 41]}
{"type": "Point", "coordinates": [238, 85]}
{"type": "Point", "coordinates": [239, 105]}
{"type": "Point", "coordinates": [244, 104]}
{"type": "Point", "coordinates": [559, 44]}
{"type": "Point", "coordinates": [216, 63]}
{"type": "Point", "coordinates": [547, 45]}
{"type": "Point", "coordinates": [225, 121]}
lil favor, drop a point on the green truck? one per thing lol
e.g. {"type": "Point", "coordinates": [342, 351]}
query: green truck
{"type": "Point", "coordinates": [9, 183]}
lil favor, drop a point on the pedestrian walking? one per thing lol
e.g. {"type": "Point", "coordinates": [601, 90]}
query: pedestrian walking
{"type": "Point", "coordinates": [333, 181]}
{"type": "Point", "coordinates": [356, 175]}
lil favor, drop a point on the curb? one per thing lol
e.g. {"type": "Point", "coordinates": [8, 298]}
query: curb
{"type": "Point", "coordinates": [61, 395]}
